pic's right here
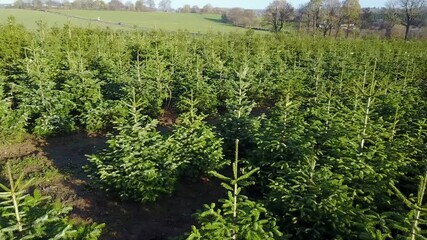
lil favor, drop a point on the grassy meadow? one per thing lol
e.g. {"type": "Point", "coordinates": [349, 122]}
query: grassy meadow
{"type": "Point", "coordinates": [29, 18]}
{"type": "Point", "coordinates": [121, 19]}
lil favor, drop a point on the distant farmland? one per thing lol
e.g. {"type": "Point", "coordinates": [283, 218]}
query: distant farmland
{"type": "Point", "coordinates": [120, 19]}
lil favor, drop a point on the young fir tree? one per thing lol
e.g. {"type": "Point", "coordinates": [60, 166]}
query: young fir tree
{"type": "Point", "coordinates": [236, 122]}
{"type": "Point", "coordinates": [238, 217]}
{"type": "Point", "coordinates": [92, 111]}
{"type": "Point", "coordinates": [192, 82]}
{"type": "Point", "coordinates": [412, 225]}
{"type": "Point", "coordinates": [137, 163]}
{"type": "Point", "coordinates": [25, 216]}
{"type": "Point", "coordinates": [12, 121]}
{"type": "Point", "coordinates": [194, 144]}
{"type": "Point", "coordinates": [49, 108]}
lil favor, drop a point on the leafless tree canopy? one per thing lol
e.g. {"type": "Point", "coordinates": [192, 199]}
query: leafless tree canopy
{"type": "Point", "coordinates": [277, 13]}
{"type": "Point", "coordinates": [240, 17]}
{"type": "Point", "coordinates": [406, 12]}
{"type": "Point", "coordinates": [165, 5]}
{"type": "Point", "coordinates": [151, 4]}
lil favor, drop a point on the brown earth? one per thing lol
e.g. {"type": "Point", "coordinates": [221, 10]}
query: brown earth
{"type": "Point", "coordinates": [168, 217]}
{"type": "Point", "coordinates": [26, 148]}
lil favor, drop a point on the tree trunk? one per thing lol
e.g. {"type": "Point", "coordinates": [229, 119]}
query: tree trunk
{"type": "Point", "coordinates": [314, 25]}
{"type": "Point", "coordinates": [407, 26]}
{"type": "Point", "coordinates": [388, 32]}
{"type": "Point", "coordinates": [337, 32]}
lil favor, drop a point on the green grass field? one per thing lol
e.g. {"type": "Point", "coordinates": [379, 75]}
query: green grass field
{"type": "Point", "coordinates": [146, 20]}
{"type": "Point", "coordinates": [29, 18]}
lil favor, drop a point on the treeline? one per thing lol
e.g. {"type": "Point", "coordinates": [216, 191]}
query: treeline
{"type": "Point", "coordinates": [139, 5]}
{"type": "Point", "coordinates": [241, 17]}
{"type": "Point", "coordinates": [329, 15]}
{"type": "Point", "coordinates": [332, 17]}
{"type": "Point", "coordinates": [335, 18]}
{"type": "Point", "coordinates": [324, 17]}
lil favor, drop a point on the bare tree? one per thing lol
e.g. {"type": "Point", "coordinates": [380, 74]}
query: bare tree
{"type": "Point", "coordinates": [165, 5]}
{"type": "Point", "coordinates": [300, 15]}
{"type": "Point", "coordinates": [366, 18]}
{"type": "Point", "coordinates": [330, 16]}
{"type": "Point", "coordinates": [116, 5]}
{"type": "Point", "coordinates": [151, 4]}
{"type": "Point", "coordinates": [67, 5]}
{"type": "Point", "coordinates": [277, 13]}
{"type": "Point", "coordinates": [240, 17]}
{"type": "Point", "coordinates": [19, 4]}
{"type": "Point", "coordinates": [408, 12]}
{"type": "Point", "coordinates": [99, 5]}
{"type": "Point", "coordinates": [185, 9]}
{"type": "Point", "coordinates": [130, 6]}
{"type": "Point", "coordinates": [195, 9]}
{"type": "Point", "coordinates": [314, 11]}
{"type": "Point", "coordinates": [390, 19]}
{"type": "Point", "coordinates": [207, 8]}
{"type": "Point", "coordinates": [139, 5]}
{"type": "Point", "coordinates": [37, 4]}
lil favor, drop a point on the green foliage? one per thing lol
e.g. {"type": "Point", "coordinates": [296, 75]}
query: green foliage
{"type": "Point", "coordinates": [14, 38]}
{"type": "Point", "coordinates": [280, 139]}
{"type": "Point", "coordinates": [252, 222]}
{"type": "Point", "coordinates": [195, 146]}
{"type": "Point", "coordinates": [13, 123]}
{"type": "Point", "coordinates": [339, 120]}
{"type": "Point", "coordinates": [193, 83]}
{"type": "Point", "coordinates": [237, 217]}
{"type": "Point", "coordinates": [237, 123]}
{"type": "Point", "coordinates": [152, 79]}
{"type": "Point", "coordinates": [49, 109]}
{"type": "Point", "coordinates": [92, 111]}
{"type": "Point", "coordinates": [314, 202]}
{"type": "Point", "coordinates": [137, 163]}
{"type": "Point", "coordinates": [25, 216]}
{"type": "Point", "coordinates": [412, 224]}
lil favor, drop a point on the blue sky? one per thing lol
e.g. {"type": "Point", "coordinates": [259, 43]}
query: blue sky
{"type": "Point", "coordinates": [253, 4]}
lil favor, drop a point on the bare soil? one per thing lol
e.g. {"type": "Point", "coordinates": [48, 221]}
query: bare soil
{"type": "Point", "coordinates": [168, 217]}
{"type": "Point", "coordinates": [26, 148]}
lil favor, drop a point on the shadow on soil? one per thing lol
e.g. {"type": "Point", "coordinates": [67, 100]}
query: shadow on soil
{"type": "Point", "coordinates": [215, 20]}
{"type": "Point", "coordinates": [168, 217]}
